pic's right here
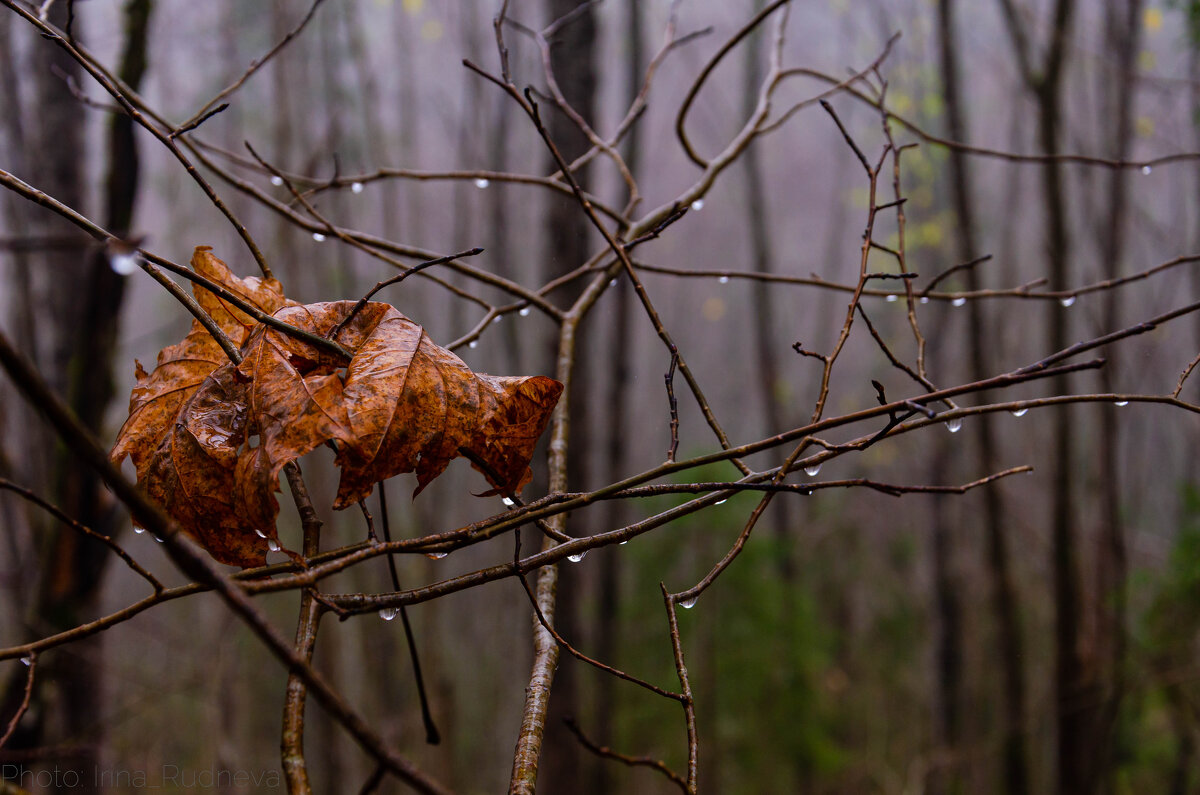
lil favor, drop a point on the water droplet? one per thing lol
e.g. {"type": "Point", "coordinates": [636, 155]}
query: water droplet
{"type": "Point", "coordinates": [623, 543]}
{"type": "Point", "coordinates": [924, 299]}
{"type": "Point", "coordinates": [124, 264]}
{"type": "Point", "coordinates": [1121, 403]}
{"type": "Point", "coordinates": [388, 613]}
{"type": "Point", "coordinates": [481, 183]}
{"type": "Point", "coordinates": [577, 558]}
{"type": "Point", "coordinates": [721, 502]}
{"type": "Point", "coordinates": [954, 425]}
{"type": "Point", "coordinates": [159, 540]}
{"type": "Point", "coordinates": [723, 280]}
{"type": "Point", "coordinates": [1146, 170]}
{"type": "Point", "coordinates": [356, 187]}
{"type": "Point", "coordinates": [891, 299]}
{"type": "Point", "coordinates": [960, 301]}
{"type": "Point", "coordinates": [139, 530]}
{"type": "Point", "coordinates": [698, 205]}
{"type": "Point", "coordinates": [507, 501]}
{"type": "Point", "coordinates": [436, 555]}
{"type": "Point", "coordinates": [524, 311]}
{"type": "Point", "coordinates": [260, 533]}
{"type": "Point", "coordinates": [317, 236]}
{"type": "Point", "coordinates": [497, 318]}
{"type": "Point", "coordinates": [688, 604]}
{"type": "Point", "coordinates": [1021, 412]}
{"type": "Point", "coordinates": [27, 661]}
{"type": "Point", "coordinates": [813, 470]}
{"type": "Point", "coordinates": [473, 344]}
{"type": "Point", "coordinates": [1070, 299]}
{"type": "Point", "coordinates": [613, 283]}
{"type": "Point", "coordinates": [276, 181]}
{"type": "Point", "coordinates": [272, 545]}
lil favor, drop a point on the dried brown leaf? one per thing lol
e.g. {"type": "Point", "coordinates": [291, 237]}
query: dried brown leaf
{"type": "Point", "coordinates": [177, 438]}
{"type": "Point", "coordinates": [209, 438]}
{"type": "Point", "coordinates": [414, 406]}
{"type": "Point", "coordinates": [192, 472]}
{"type": "Point", "coordinates": [266, 295]}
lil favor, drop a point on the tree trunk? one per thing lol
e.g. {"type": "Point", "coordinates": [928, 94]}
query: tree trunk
{"type": "Point", "coordinates": [1004, 605]}
{"type": "Point", "coordinates": [1122, 29]}
{"type": "Point", "coordinates": [566, 233]}
{"type": "Point", "coordinates": [80, 327]}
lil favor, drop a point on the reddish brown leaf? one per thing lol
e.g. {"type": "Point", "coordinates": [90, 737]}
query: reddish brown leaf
{"type": "Point", "coordinates": [210, 449]}
{"type": "Point", "coordinates": [295, 399]}
{"type": "Point", "coordinates": [266, 295]}
{"type": "Point", "coordinates": [188, 466]}
{"type": "Point", "coordinates": [192, 473]}
{"type": "Point", "coordinates": [413, 406]}
{"type": "Point", "coordinates": [157, 397]}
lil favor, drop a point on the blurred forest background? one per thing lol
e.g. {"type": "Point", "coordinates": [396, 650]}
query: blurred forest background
{"type": "Point", "coordinates": [1036, 634]}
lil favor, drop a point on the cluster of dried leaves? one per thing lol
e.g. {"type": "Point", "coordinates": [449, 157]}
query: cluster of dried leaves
{"type": "Point", "coordinates": [209, 437]}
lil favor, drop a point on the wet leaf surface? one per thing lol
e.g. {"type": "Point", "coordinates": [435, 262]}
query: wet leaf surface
{"type": "Point", "coordinates": [209, 438]}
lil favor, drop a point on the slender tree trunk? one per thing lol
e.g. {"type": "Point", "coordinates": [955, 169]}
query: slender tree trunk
{"type": "Point", "coordinates": [566, 232]}
{"type": "Point", "coordinates": [620, 351]}
{"type": "Point", "coordinates": [766, 341]}
{"type": "Point", "coordinates": [80, 308]}
{"type": "Point", "coordinates": [1004, 605]}
{"type": "Point", "coordinates": [1122, 33]}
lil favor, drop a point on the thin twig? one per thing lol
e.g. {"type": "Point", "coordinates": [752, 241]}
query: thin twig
{"type": "Point", "coordinates": [57, 513]}
{"type": "Point", "coordinates": [631, 761]}
{"type": "Point", "coordinates": [206, 110]}
{"type": "Point", "coordinates": [689, 704]}
{"type": "Point", "coordinates": [333, 332]}
{"type": "Point", "coordinates": [562, 642]}
{"type": "Point", "coordinates": [432, 735]}
{"type": "Point", "coordinates": [31, 668]}
{"type": "Point", "coordinates": [673, 406]}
